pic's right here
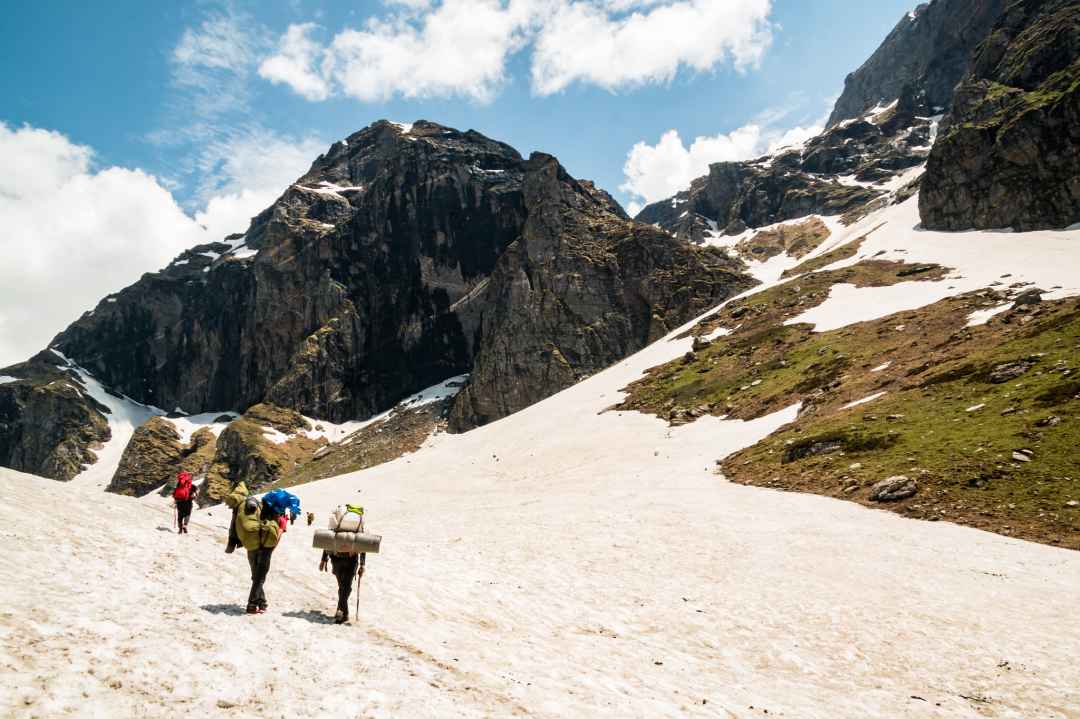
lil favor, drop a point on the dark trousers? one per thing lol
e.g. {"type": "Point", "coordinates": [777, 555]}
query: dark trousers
{"type": "Point", "coordinates": [259, 560]}
{"type": "Point", "coordinates": [183, 512]}
{"type": "Point", "coordinates": [345, 572]}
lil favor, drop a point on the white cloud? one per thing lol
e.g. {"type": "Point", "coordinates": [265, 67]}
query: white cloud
{"type": "Point", "coordinates": [459, 48]}
{"type": "Point", "coordinates": [72, 234]}
{"type": "Point", "coordinates": [296, 63]}
{"type": "Point", "coordinates": [244, 175]}
{"type": "Point", "coordinates": [583, 42]}
{"type": "Point", "coordinates": [655, 172]}
{"type": "Point", "coordinates": [422, 48]}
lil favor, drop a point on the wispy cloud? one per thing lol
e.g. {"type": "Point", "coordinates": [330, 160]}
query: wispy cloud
{"type": "Point", "coordinates": [232, 166]}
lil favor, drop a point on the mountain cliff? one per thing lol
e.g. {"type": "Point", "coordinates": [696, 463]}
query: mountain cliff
{"type": "Point", "coordinates": [1010, 156]}
{"type": "Point", "coordinates": [928, 50]}
{"type": "Point", "coordinates": [395, 262]}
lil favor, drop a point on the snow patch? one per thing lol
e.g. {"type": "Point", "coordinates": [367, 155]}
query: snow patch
{"type": "Point", "coordinates": [717, 333]}
{"type": "Point", "coordinates": [5, 379]}
{"type": "Point", "coordinates": [187, 426]}
{"type": "Point", "coordinates": [275, 436]}
{"type": "Point", "coordinates": [1044, 257]}
{"type": "Point", "coordinates": [883, 367]}
{"type": "Point", "coordinates": [864, 400]}
{"type": "Point", "coordinates": [981, 317]}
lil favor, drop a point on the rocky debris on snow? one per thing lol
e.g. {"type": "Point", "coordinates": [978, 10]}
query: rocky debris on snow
{"type": "Point", "coordinates": [892, 489]}
{"type": "Point", "coordinates": [1010, 156]}
{"type": "Point", "coordinates": [1028, 297]}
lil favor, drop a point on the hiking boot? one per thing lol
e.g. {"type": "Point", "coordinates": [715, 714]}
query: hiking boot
{"type": "Point", "coordinates": [340, 617]}
{"type": "Point", "coordinates": [252, 609]}
{"type": "Point", "coordinates": [260, 610]}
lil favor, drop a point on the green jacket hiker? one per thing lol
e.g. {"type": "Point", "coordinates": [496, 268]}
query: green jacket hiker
{"type": "Point", "coordinates": [258, 533]}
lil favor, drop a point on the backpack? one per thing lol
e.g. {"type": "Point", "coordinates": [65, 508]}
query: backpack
{"type": "Point", "coordinates": [282, 503]}
{"type": "Point", "coordinates": [347, 518]}
{"type": "Point", "coordinates": [184, 487]}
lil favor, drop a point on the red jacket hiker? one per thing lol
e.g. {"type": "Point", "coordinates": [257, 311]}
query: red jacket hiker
{"type": "Point", "coordinates": [184, 494]}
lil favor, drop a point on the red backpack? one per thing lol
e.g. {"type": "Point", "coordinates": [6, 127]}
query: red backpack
{"type": "Point", "coordinates": [183, 486]}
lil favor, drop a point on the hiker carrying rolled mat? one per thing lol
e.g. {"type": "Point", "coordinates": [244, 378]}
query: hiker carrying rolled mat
{"type": "Point", "coordinates": [347, 555]}
{"type": "Point", "coordinates": [344, 568]}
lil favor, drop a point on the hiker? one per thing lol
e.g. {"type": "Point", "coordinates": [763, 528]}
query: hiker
{"type": "Point", "coordinates": [184, 495]}
{"type": "Point", "coordinates": [259, 530]}
{"type": "Point", "coordinates": [345, 567]}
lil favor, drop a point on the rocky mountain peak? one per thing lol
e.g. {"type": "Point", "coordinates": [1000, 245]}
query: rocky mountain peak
{"type": "Point", "coordinates": [928, 50]}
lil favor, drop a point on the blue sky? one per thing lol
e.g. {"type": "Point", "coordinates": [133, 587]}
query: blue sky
{"type": "Point", "coordinates": [210, 108]}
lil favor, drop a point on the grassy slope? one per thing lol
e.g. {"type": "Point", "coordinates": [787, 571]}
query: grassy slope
{"type": "Point", "coordinates": [963, 461]}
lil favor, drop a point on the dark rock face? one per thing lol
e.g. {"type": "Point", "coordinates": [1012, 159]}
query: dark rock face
{"type": "Point", "coordinates": [582, 288]}
{"type": "Point", "coordinates": [1011, 154]}
{"type": "Point", "coordinates": [928, 51]}
{"type": "Point", "coordinates": [350, 291]}
{"type": "Point", "coordinates": [48, 425]}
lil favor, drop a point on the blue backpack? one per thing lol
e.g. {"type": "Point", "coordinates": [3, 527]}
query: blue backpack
{"type": "Point", "coordinates": [282, 503]}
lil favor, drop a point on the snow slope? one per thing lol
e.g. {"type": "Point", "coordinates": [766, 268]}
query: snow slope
{"type": "Point", "coordinates": [560, 562]}
{"type": "Point", "coordinates": [564, 561]}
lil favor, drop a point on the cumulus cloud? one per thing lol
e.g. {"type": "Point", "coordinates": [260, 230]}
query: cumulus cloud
{"type": "Point", "coordinates": [422, 48]}
{"type": "Point", "coordinates": [296, 63]}
{"type": "Point", "coordinates": [583, 42]}
{"type": "Point", "coordinates": [73, 234]}
{"type": "Point", "coordinates": [655, 172]}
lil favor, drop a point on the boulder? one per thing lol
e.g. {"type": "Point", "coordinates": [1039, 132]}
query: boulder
{"type": "Point", "coordinates": [893, 489]}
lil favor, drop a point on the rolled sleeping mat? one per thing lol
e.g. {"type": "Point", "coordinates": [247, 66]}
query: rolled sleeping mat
{"type": "Point", "coordinates": [346, 542]}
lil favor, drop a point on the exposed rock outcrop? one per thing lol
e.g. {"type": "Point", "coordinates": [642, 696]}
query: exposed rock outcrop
{"type": "Point", "coordinates": [48, 424]}
{"type": "Point", "coordinates": [928, 51]}
{"type": "Point", "coordinates": [156, 454]}
{"type": "Point", "coordinates": [1011, 154]}
{"type": "Point", "coordinates": [582, 288]}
